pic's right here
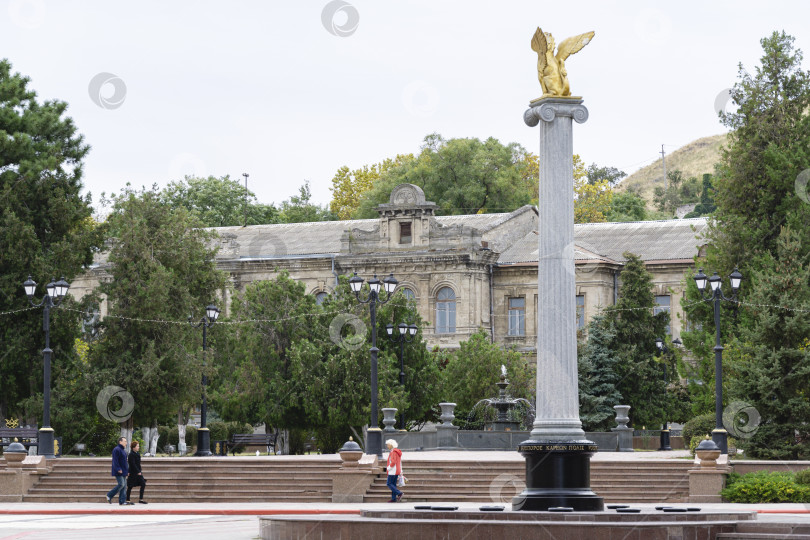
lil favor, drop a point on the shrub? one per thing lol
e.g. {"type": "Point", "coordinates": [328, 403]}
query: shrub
{"type": "Point", "coordinates": [104, 437]}
{"type": "Point", "coordinates": [694, 442]}
{"type": "Point", "coordinates": [765, 487]}
{"type": "Point", "coordinates": [191, 436]}
{"type": "Point", "coordinates": [699, 426]}
{"type": "Point", "coordinates": [163, 437]}
{"type": "Point", "coordinates": [219, 431]}
{"type": "Point", "coordinates": [803, 477]}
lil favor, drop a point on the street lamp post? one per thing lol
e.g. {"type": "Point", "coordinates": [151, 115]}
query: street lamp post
{"type": "Point", "coordinates": [56, 291]}
{"type": "Point", "coordinates": [407, 333]}
{"type": "Point", "coordinates": [665, 440]}
{"type": "Point", "coordinates": [374, 285]}
{"type": "Point", "coordinates": [719, 434]}
{"type": "Point", "coordinates": [203, 435]}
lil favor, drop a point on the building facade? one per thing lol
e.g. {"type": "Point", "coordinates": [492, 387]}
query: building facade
{"type": "Point", "coordinates": [463, 272]}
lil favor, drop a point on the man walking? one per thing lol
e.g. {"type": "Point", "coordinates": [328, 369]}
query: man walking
{"type": "Point", "coordinates": [120, 470]}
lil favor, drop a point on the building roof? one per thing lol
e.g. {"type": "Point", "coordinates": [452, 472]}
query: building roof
{"type": "Point", "coordinates": [324, 237]}
{"type": "Point", "coordinates": [672, 239]}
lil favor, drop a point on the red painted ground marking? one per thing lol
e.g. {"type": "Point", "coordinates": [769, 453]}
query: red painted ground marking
{"type": "Point", "coordinates": [178, 512]}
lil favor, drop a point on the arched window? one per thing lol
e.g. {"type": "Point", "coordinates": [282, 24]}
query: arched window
{"type": "Point", "coordinates": [320, 297]}
{"type": "Point", "coordinates": [409, 294]}
{"type": "Point", "coordinates": [445, 311]}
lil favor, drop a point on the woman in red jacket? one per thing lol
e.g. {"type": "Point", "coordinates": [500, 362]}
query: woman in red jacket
{"type": "Point", "coordinates": [394, 469]}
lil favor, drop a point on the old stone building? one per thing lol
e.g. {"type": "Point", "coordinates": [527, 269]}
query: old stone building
{"type": "Point", "coordinates": [463, 272]}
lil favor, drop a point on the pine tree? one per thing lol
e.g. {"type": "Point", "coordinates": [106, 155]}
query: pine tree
{"type": "Point", "coordinates": [598, 376]}
{"type": "Point", "coordinates": [769, 146]}
{"type": "Point", "coordinates": [770, 363]}
{"type": "Point", "coordinates": [45, 231]}
{"type": "Point", "coordinates": [641, 383]}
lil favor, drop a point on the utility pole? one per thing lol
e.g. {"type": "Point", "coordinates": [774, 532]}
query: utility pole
{"type": "Point", "coordinates": [246, 193]}
{"type": "Point", "coordinates": [664, 161]}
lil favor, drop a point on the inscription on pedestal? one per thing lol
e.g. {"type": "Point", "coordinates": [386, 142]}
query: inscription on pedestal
{"type": "Point", "coordinates": [558, 447]}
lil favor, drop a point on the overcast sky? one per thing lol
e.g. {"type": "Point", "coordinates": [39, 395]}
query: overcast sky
{"type": "Point", "coordinates": [290, 91]}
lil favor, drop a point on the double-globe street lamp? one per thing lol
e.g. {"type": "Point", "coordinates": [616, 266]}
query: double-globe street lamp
{"type": "Point", "coordinates": [719, 434]}
{"type": "Point", "coordinates": [665, 441]}
{"type": "Point", "coordinates": [374, 445]}
{"type": "Point", "coordinates": [407, 333]}
{"type": "Point", "coordinates": [203, 435]}
{"type": "Point", "coordinates": [56, 291]}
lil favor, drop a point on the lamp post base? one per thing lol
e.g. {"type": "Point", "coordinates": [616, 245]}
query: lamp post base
{"type": "Point", "coordinates": [45, 443]}
{"type": "Point", "coordinates": [665, 443]}
{"type": "Point", "coordinates": [203, 443]}
{"type": "Point", "coordinates": [558, 474]}
{"type": "Point", "coordinates": [374, 442]}
{"type": "Point", "coordinates": [720, 438]}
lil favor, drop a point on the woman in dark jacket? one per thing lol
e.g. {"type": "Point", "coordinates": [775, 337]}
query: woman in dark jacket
{"type": "Point", "coordinates": [135, 474]}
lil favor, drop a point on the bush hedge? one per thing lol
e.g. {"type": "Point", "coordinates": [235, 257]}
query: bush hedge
{"type": "Point", "coordinates": [765, 487]}
{"type": "Point", "coordinates": [803, 477]}
{"type": "Point", "coordinates": [699, 426]}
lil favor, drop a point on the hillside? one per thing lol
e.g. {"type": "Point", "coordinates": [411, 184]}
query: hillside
{"type": "Point", "coordinates": [694, 159]}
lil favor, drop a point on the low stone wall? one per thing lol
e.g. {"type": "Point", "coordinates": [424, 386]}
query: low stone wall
{"type": "Point", "coordinates": [748, 466]}
{"type": "Point", "coordinates": [654, 443]}
{"type": "Point", "coordinates": [478, 440]}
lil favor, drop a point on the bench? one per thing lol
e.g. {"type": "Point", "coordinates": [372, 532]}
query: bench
{"type": "Point", "coordinates": [240, 440]}
{"type": "Point", "coordinates": [27, 436]}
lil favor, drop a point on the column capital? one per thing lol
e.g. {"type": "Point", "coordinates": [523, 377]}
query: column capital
{"type": "Point", "coordinates": [547, 109]}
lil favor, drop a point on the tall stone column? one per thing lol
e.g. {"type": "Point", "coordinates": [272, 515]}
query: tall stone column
{"type": "Point", "coordinates": [558, 454]}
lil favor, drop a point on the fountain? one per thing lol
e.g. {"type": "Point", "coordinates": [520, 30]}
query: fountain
{"type": "Point", "coordinates": [502, 404]}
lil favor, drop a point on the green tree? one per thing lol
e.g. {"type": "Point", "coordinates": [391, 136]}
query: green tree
{"type": "Point", "coordinates": [257, 385]}
{"type": "Point", "coordinates": [706, 205]}
{"type": "Point", "coordinates": [472, 371]}
{"type": "Point", "coordinates": [219, 202]}
{"type": "Point", "coordinates": [769, 364]}
{"type": "Point", "coordinates": [597, 174]}
{"type": "Point", "coordinates": [45, 231]}
{"type": "Point", "coordinates": [627, 206]}
{"type": "Point", "coordinates": [598, 376]}
{"type": "Point", "coordinates": [163, 271]}
{"type": "Point", "coordinates": [301, 366]}
{"type": "Point", "coordinates": [768, 147]}
{"type": "Point", "coordinates": [299, 209]}
{"type": "Point", "coordinates": [679, 191]}
{"type": "Point", "coordinates": [641, 383]}
{"type": "Point", "coordinates": [757, 193]}
{"type": "Point", "coordinates": [462, 176]}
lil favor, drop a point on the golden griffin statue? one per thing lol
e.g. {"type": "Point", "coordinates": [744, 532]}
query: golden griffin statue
{"type": "Point", "coordinates": [550, 67]}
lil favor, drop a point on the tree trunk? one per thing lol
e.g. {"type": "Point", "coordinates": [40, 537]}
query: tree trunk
{"type": "Point", "coordinates": [153, 439]}
{"type": "Point", "coordinates": [181, 432]}
{"type": "Point", "coordinates": [146, 432]}
{"type": "Point", "coordinates": [127, 428]}
{"type": "Point", "coordinates": [282, 441]}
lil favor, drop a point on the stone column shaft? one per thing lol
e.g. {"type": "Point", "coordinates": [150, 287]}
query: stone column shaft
{"type": "Point", "coordinates": [557, 381]}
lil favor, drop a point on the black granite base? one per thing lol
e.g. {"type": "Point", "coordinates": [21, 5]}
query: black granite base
{"type": "Point", "coordinates": [558, 474]}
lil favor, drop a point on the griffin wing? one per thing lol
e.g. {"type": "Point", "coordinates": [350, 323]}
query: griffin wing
{"type": "Point", "coordinates": [540, 46]}
{"type": "Point", "coordinates": [572, 45]}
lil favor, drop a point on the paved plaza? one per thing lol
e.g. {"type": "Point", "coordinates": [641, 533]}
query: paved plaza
{"type": "Point", "coordinates": [204, 521]}
{"type": "Point", "coordinates": [229, 521]}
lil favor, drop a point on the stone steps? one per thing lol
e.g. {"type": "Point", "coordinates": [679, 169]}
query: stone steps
{"type": "Point", "coordinates": [660, 481]}
{"type": "Point", "coordinates": [194, 480]}
{"type": "Point", "coordinates": [308, 480]}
